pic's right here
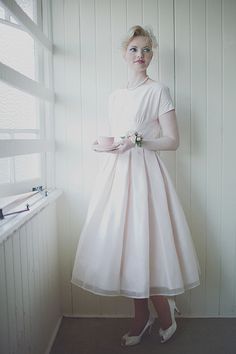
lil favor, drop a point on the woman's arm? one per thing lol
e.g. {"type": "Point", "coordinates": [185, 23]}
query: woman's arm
{"type": "Point", "coordinates": [170, 135]}
{"type": "Point", "coordinates": [168, 141]}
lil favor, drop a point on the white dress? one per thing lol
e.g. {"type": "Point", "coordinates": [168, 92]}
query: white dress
{"type": "Point", "coordinates": [135, 240]}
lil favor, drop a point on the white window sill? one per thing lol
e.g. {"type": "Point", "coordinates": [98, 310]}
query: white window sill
{"type": "Point", "coordinates": [12, 223]}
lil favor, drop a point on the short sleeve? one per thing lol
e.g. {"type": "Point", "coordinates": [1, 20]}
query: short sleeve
{"type": "Point", "coordinates": [166, 103]}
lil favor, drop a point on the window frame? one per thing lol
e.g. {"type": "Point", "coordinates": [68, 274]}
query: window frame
{"type": "Point", "coordinates": [45, 144]}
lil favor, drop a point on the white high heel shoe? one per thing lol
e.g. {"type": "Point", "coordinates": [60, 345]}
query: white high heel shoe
{"type": "Point", "coordinates": [168, 333]}
{"type": "Point", "coordinates": [127, 340]}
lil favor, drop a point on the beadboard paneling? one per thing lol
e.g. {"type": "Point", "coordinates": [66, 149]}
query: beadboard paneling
{"type": "Point", "coordinates": [228, 201]}
{"type": "Point", "coordinates": [214, 148]}
{"type": "Point", "coordinates": [195, 58]}
{"type": "Point", "coordinates": [29, 286]}
{"type": "Point", "coordinates": [198, 101]}
{"type": "Point", "coordinates": [183, 110]}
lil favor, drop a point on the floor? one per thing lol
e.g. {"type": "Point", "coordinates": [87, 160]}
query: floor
{"type": "Point", "coordinates": [102, 336]}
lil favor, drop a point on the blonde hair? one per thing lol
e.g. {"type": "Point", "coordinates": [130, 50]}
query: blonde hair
{"type": "Point", "coordinates": [136, 31]}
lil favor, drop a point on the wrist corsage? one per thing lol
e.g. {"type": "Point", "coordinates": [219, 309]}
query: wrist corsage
{"type": "Point", "coordinates": [135, 137]}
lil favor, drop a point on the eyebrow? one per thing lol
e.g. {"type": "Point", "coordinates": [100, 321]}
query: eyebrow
{"type": "Point", "coordinates": [134, 46]}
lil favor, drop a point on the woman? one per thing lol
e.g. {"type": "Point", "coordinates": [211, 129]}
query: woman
{"type": "Point", "coordinates": [136, 241]}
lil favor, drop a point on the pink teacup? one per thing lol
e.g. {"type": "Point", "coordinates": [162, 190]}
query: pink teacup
{"type": "Point", "coordinates": [106, 140]}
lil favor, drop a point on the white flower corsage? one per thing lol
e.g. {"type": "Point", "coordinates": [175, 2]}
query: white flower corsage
{"type": "Point", "coordinates": [135, 137]}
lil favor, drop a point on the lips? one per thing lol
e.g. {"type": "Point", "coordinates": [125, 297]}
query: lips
{"type": "Point", "coordinates": [140, 61]}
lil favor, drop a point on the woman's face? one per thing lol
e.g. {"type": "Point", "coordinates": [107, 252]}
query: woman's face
{"type": "Point", "coordinates": [138, 54]}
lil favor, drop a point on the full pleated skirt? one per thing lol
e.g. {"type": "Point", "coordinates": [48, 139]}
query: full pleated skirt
{"type": "Point", "coordinates": [135, 241]}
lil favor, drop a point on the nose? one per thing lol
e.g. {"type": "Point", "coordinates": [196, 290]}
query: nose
{"type": "Point", "coordinates": [140, 53]}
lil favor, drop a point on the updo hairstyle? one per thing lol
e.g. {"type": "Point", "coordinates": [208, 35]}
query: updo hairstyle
{"type": "Point", "coordinates": [137, 31]}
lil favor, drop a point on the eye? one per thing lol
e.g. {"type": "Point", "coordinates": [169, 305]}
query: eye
{"type": "Point", "coordinates": [147, 50]}
{"type": "Point", "coordinates": [133, 49]}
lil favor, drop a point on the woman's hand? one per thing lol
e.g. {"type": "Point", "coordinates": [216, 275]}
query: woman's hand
{"type": "Point", "coordinates": [94, 145]}
{"type": "Point", "coordinates": [125, 145]}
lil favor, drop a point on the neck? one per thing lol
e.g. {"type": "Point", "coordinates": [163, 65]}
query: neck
{"type": "Point", "coordinates": [134, 78]}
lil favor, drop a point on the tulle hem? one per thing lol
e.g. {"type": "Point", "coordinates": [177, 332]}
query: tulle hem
{"type": "Point", "coordinates": [132, 294]}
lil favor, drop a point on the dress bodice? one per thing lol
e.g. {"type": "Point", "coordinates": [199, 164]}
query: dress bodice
{"type": "Point", "coordinates": [139, 109]}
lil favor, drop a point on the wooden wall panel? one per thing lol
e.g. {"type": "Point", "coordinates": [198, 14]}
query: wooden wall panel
{"type": "Point", "coordinates": [4, 323]}
{"type": "Point", "coordinates": [214, 147]}
{"type": "Point", "coordinates": [134, 12]}
{"type": "Point", "coordinates": [11, 295]}
{"type": "Point", "coordinates": [198, 143]}
{"type": "Point", "coordinates": [118, 28]}
{"type": "Point", "coordinates": [29, 286]}
{"type": "Point", "coordinates": [61, 169]}
{"type": "Point", "coordinates": [150, 18]}
{"type": "Point", "coordinates": [19, 310]}
{"type": "Point", "coordinates": [166, 65]}
{"type": "Point", "coordinates": [183, 112]}
{"type": "Point", "coordinates": [103, 62]}
{"type": "Point", "coordinates": [24, 252]}
{"type": "Point", "coordinates": [228, 224]}
{"type": "Point", "coordinates": [195, 58]}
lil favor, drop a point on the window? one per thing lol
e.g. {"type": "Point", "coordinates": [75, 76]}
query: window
{"type": "Point", "coordinates": [26, 96]}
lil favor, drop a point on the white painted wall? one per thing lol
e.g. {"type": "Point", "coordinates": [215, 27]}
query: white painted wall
{"type": "Point", "coordinates": [196, 59]}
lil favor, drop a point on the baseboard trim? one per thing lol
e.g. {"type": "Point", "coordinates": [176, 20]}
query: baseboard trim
{"type": "Point", "coordinates": [77, 315]}
{"type": "Point", "coordinates": [54, 334]}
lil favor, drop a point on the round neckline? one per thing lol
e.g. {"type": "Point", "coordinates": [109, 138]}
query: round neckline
{"type": "Point", "coordinates": [145, 84]}
{"type": "Point", "coordinates": [138, 85]}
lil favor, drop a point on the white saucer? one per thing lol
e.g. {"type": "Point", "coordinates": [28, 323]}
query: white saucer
{"type": "Point", "coordinates": [103, 148]}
